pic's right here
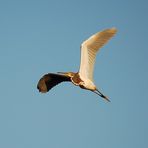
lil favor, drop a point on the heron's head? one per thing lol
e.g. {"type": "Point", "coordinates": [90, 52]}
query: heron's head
{"type": "Point", "coordinates": [68, 74]}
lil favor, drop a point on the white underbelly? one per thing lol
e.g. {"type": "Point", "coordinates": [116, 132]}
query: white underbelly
{"type": "Point", "coordinates": [88, 84]}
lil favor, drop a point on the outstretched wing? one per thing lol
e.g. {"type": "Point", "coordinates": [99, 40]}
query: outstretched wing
{"type": "Point", "coordinates": [89, 49]}
{"type": "Point", "coordinates": [50, 80]}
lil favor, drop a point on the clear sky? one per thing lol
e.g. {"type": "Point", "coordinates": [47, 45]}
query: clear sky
{"type": "Point", "coordinates": [41, 36]}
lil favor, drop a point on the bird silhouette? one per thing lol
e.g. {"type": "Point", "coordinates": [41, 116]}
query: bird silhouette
{"type": "Point", "coordinates": [84, 77]}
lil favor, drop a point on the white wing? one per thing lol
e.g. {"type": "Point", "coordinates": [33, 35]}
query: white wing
{"type": "Point", "coordinates": [89, 49]}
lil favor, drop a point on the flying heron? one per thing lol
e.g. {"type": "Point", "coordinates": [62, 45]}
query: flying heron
{"type": "Point", "coordinates": [84, 77]}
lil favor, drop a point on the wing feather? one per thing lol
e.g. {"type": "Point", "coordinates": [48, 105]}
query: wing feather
{"type": "Point", "coordinates": [89, 49]}
{"type": "Point", "coordinates": [48, 81]}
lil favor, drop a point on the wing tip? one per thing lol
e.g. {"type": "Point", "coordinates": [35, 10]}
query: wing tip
{"type": "Point", "coordinates": [112, 30]}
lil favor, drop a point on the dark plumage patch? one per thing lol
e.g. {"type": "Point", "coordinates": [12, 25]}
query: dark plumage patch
{"type": "Point", "coordinates": [50, 80]}
{"type": "Point", "coordinates": [76, 79]}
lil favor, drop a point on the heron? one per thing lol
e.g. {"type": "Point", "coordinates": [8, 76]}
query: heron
{"type": "Point", "coordinates": [84, 77]}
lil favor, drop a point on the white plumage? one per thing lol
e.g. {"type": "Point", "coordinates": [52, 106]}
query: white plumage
{"type": "Point", "coordinates": [89, 49]}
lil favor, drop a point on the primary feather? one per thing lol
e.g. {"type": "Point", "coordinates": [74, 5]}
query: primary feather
{"type": "Point", "coordinates": [89, 49]}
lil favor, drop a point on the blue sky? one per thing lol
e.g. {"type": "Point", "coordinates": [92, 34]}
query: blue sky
{"type": "Point", "coordinates": [37, 37]}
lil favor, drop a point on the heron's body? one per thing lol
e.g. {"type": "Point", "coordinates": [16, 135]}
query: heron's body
{"type": "Point", "coordinates": [83, 78]}
{"type": "Point", "coordinates": [77, 80]}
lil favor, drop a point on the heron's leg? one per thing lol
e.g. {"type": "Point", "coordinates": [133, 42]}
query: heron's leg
{"type": "Point", "coordinates": [100, 94]}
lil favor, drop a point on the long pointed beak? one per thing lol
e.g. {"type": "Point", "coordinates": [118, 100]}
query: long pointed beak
{"type": "Point", "coordinates": [63, 73]}
{"type": "Point", "coordinates": [101, 95]}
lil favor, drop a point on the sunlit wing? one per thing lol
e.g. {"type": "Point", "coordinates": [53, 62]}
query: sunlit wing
{"type": "Point", "coordinates": [89, 49]}
{"type": "Point", "coordinates": [50, 80]}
